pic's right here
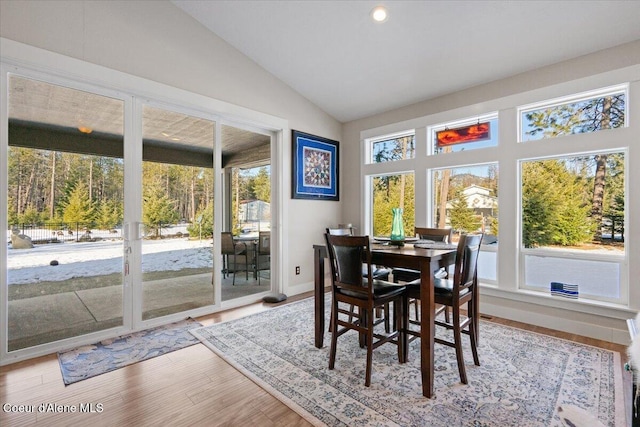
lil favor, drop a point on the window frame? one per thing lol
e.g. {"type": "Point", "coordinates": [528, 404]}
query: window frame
{"type": "Point", "coordinates": [509, 259]}
{"type": "Point", "coordinates": [546, 252]}
{"type": "Point", "coordinates": [371, 141]}
{"type": "Point", "coordinates": [570, 99]}
{"type": "Point", "coordinates": [431, 130]}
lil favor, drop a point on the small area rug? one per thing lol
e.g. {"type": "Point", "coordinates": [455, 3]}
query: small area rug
{"type": "Point", "coordinates": [108, 355]}
{"type": "Point", "coordinates": [523, 379]}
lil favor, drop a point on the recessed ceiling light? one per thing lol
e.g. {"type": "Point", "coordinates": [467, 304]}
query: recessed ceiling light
{"type": "Point", "coordinates": [379, 14]}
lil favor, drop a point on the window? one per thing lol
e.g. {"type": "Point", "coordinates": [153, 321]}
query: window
{"type": "Point", "coordinates": [580, 114]}
{"type": "Point", "coordinates": [391, 148]}
{"type": "Point", "coordinates": [574, 202]}
{"type": "Point", "coordinates": [572, 213]}
{"type": "Point", "coordinates": [466, 199]}
{"type": "Point", "coordinates": [573, 206]}
{"type": "Point", "coordinates": [467, 134]}
{"type": "Point", "coordinates": [564, 207]}
{"type": "Point", "coordinates": [393, 191]}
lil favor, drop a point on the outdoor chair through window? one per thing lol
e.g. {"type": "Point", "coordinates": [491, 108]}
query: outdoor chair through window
{"type": "Point", "coordinates": [231, 252]}
{"type": "Point", "coordinates": [263, 255]}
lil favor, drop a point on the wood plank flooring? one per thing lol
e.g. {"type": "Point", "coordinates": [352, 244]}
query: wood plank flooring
{"type": "Point", "coordinates": [192, 386]}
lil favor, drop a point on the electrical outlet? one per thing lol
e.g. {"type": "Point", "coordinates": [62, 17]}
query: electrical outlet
{"type": "Point", "coordinates": [297, 270]}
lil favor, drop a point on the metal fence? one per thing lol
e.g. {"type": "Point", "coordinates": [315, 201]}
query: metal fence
{"type": "Point", "coordinates": [63, 232]}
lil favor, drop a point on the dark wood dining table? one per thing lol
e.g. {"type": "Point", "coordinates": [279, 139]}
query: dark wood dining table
{"type": "Point", "coordinates": [426, 261]}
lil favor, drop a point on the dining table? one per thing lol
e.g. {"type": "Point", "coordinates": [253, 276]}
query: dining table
{"type": "Point", "coordinates": [424, 260]}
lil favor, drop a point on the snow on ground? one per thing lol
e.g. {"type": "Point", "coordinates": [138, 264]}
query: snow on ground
{"type": "Point", "coordinates": [86, 259]}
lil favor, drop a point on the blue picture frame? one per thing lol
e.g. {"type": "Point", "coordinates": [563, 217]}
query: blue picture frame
{"type": "Point", "coordinates": [315, 166]}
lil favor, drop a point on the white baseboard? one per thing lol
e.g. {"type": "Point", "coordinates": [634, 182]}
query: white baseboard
{"type": "Point", "coordinates": [564, 324]}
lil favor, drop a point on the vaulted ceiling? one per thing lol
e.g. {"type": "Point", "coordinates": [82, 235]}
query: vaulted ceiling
{"type": "Point", "coordinates": [333, 54]}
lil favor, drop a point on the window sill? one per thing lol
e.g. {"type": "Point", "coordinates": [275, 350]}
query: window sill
{"type": "Point", "coordinates": [581, 305]}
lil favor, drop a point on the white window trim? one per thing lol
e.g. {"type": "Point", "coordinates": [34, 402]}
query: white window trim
{"type": "Point", "coordinates": [370, 142]}
{"type": "Point", "coordinates": [507, 155]}
{"type": "Point", "coordinates": [578, 97]}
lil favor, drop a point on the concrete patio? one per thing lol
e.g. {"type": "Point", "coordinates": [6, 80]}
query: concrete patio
{"type": "Point", "coordinates": [46, 318]}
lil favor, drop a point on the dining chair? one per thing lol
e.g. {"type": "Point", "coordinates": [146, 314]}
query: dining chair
{"type": "Point", "coordinates": [232, 249]}
{"type": "Point", "coordinates": [263, 253]}
{"type": "Point", "coordinates": [454, 293]}
{"type": "Point", "coordinates": [378, 273]}
{"type": "Point", "coordinates": [437, 235]}
{"type": "Point", "coordinates": [407, 275]}
{"type": "Point", "coordinates": [346, 256]}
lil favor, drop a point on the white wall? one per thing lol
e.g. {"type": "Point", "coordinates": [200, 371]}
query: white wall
{"type": "Point", "coordinates": [158, 41]}
{"type": "Point", "coordinates": [602, 323]}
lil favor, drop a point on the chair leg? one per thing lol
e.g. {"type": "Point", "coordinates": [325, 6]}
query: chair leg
{"type": "Point", "coordinates": [351, 313]}
{"type": "Point", "coordinates": [235, 270]}
{"type": "Point", "coordinates": [398, 321]}
{"type": "Point", "coordinates": [370, 318]}
{"type": "Point", "coordinates": [417, 309]}
{"type": "Point", "coordinates": [387, 323]}
{"type": "Point", "coordinates": [225, 271]}
{"type": "Point", "coordinates": [334, 334]}
{"type": "Point", "coordinates": [457, 335]}
{"type": "Point", "coordinates": [473, 333]}
{"type": "Point", "coordinates": [404, 325]}
{"type": "Point", "coordinates": [364, 321]}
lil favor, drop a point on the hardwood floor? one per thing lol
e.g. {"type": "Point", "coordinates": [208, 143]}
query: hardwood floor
{"type": "Point", "coordinates": [192, 386]}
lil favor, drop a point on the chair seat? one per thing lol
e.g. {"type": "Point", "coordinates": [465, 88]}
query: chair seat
{"type": "Point", "coordinates": [405, 274]}
{"type": "Point", "coordinates": [378, 273]}
{"type": "Point", "coordinates": [381, 289]}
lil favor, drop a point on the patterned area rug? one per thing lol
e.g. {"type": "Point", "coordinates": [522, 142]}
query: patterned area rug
{"type": "Point", "coordinates": [523, 378]}
{"type": "Point", "coordinates": [108, 355]}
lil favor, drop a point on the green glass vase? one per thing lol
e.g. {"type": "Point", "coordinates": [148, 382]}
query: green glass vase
{"type": "Point", "coordinates": [397, 227]}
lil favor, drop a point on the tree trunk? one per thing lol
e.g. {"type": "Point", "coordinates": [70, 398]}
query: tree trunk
{"type": "Point", "coordinates": [600, 177]}
{"type": "Point", "coordinates": [193, 194]}
{"type": "Point", "coordinates": [403, 178]}
{"type": "Point", "coordinates": [91, 179]}
{"type": "Point", "coordinates": [52, 196]}
{"type": "Point", "coordinates": [28, 190]}
{"type": "Point", "coordinates": [444, 193]}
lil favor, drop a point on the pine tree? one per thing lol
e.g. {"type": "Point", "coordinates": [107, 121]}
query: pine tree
{"type": "Point", "coordinates": [108, 216]}
{"type": "Point", "coordinates": [554, 210]}
{"type": "Point", "coordinates": [462, 217]}
{"type": "Point", "coordinates": [158, 210]}
{"type": "Point", "coordinates": [592, 115]}
{"type": "Point", "coordinates": [78, 208]}
{"type": "Point", "coordinates": [262, 185]}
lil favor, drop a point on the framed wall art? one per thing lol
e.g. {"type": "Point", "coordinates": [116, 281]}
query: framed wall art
{"type": "Point", "coordinates": [315, 167]}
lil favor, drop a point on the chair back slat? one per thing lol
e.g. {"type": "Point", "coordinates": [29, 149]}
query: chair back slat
{"type": "Point", "coordinates": [466, 262]}
{"type": "Point", "coordinates": [435, 234]}
{"type": "Point", "coordinates": [264, 243]}
{"type": "Point", "coordinates": [340, 231]}
{"type": "Point", "coordinates": [346, 255]}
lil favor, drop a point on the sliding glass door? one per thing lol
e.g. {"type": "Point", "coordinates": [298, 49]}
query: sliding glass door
{"type": "Point", "coordinates": [65, 204]}
{"type": "Point", "coordinates": [177, 212]}
{"type": "Point", "coordinates": [109, 217]}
